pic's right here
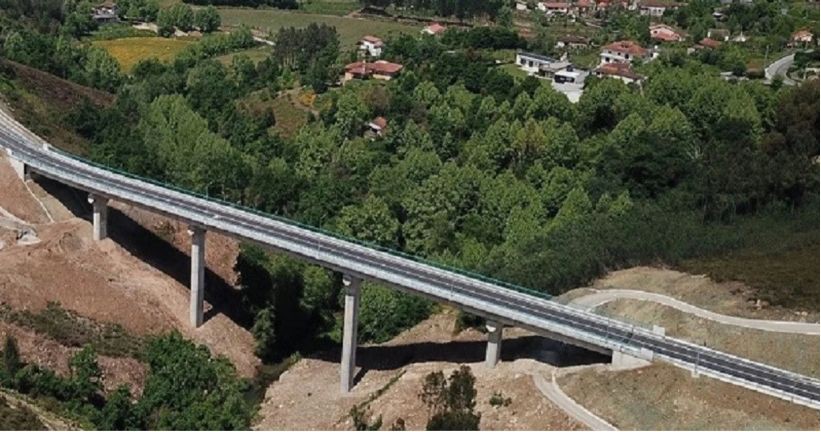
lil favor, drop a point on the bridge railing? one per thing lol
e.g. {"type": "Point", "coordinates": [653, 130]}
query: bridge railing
{"type": "Point", "coordinates": [381, 248]}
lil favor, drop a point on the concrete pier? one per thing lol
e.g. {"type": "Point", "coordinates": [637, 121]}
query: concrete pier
{"type": "Point", "coordinates": [197, 274]}
{"type": "Point", "coordinates": [19, 168]}
{"type": "Point", "coordinates": [99, 207]}
{"type": "Point", "coordinates": [349, 339]}
{"type": "Point", "coordinates": [494, 343]}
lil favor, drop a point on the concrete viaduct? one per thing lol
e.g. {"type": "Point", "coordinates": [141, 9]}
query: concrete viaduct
{"type": "Point", "coordinates": [500, 303]}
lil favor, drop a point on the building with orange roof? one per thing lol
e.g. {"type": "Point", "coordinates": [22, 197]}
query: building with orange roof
{"type": "Point", "coordinates": [434, 29]}
{"type": "Point", "coordinates": [623, 51]}
{"type": "Point", "coordinates": [380, 69]}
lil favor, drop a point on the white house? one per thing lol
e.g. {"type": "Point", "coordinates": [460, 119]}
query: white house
{"type": "Point", "coordinates": [371, 45]}
{"type": "Point", "coordinates": [554, 8]}
{"type": "Point", "coordinates": [623, 52]}
{"type": "Point", "coordinates": [106, 12]}
{"type": "Point", "coordinates": [530, 62]}
{"type": "Point", "coordinates": [656, 8]}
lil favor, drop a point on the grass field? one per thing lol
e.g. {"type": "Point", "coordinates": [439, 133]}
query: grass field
{"type": "Point", "coordinates": [350, 29]}
{"type": "Point", "coordinates": [289, 118]}
{"type": "Point", "coordinates": [329, 7]}
{"type": "Point", "coordinates": [129, 51]}
{"type": "Point", "coordinates": [256, 54]}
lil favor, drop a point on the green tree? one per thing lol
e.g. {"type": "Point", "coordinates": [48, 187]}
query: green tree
{"type": "Point", "coordinates": [264, 332]}
{"type": "Point", "coordinates": [372, 221]}
{"type": "Point", "coordinates": [207, 19]}
{"type": "Point", "coordinates": [451, 403]}
{"type": "Point", "coordinates": [102, 70]}
{"type": "Point", "coordinates": [385, 312]}
{"type": "Point", "coordinates": [186, 388]}
{"type": "Point", "coordinates": [11, 356]}
{"type": "Point", "coordinates": [85, 374]}
{"type": "Point", "coordinates": [118, 412]}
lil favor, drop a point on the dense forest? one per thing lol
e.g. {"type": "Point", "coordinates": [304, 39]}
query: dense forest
{"type": "Point", "coordinates": [478, 170]}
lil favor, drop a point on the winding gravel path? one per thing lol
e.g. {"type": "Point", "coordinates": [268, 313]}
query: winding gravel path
{"type": "Point", "coordinates": [552, 391]}
{"type": "Point", "coordinates": [601, 297]}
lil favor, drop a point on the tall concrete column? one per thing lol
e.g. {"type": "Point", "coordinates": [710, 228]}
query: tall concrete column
{"type": "Point", "coordinates": [99, 207]}
{"type": "Point", "coordinates": [197, 274]}
{"type": "Point", "coordinates": [494, 343]}
{"type": "Point", "coordinates": [348, 363]}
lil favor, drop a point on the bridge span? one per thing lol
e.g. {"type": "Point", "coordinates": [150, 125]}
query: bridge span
{"type": "Point", "coordinates": [500, 303]}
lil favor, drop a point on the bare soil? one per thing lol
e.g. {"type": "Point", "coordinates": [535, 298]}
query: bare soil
{"type": "Point", "coordinates": [663, 397]}
{"type": "Point", "coordinates": [308, 396]}
{"type": "Point", "coordinates": [795, 352]}
{"type": "Point", "coordinates": [728, 298]}
{"type": "Point", "coordinates": [42, 351]}
{"type": "Point", "coordinates": [135, 278]}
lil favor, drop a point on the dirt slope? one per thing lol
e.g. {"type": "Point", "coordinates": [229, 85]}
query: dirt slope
{"type": "Point", "coordinates": [663, 397]}
{"type": "Point", "coordinates": [113, 280]}
{"type": "Point", "coordinates": [307, 396]}
{"type": "Point", "coordinates": [729, 298]}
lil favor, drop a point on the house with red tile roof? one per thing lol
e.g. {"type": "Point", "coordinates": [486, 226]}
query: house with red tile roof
{"type": "Point", "coordinates": [378, 126]}
{"type": "Point", "coordinates": [434, 29]}
{"type": "Point", "coordinates": [623, 51]}
{"type": "Point", "coordinates": [380, 69]}
{"type": "Point", "coordinates": [665, 33]}
{"type": "Point", "coordinates": [709, 43]}
{"type": "Point", "coordinates": [617, 70]}
{"type": "Point", "coordinates": [801, 37]}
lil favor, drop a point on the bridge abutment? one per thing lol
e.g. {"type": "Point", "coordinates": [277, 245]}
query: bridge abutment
{"type": "Point", "coordinates": [99, 208]}
{"type": "Point", "coordinates": [494, 343]}
{"type": "Point", "coordinates": [349, 338]}
{"type": "Point", "coordinates": [20, 168]}
{"type": "Point", "coordinates": [197, 274]}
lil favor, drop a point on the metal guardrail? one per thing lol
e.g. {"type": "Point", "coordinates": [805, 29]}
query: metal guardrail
{"type": "Point", "coordinates": [220, 201]}
{"type": "Point", "coordinates": [521, 306]}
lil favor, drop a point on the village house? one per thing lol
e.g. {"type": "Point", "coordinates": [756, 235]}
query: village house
{"type": "Point", "coordinates": [378, 126]}
{"type": "Point", "coordinates": [530, 62]}
{"type": "Point", "coordinates": [521, 6]}
{"type": "Point", "coordinates": [623, 52]}
{"type": "Point", "coordinates": [608, 4]}
{"type": "Point", "coordinates": [801, 38]}
{"type": "Point", "coordinates": [106, 12]}
{"type": "Point", "coordinates": [718, 34]}
{"type": "Point", "coordinates": [584, 7]}
{"type": "Point", "coordinates": [560, 72]}
{"type": "Point", "coordinates": [665, 33]}
{"type": "Point", "coordinates": [621, 71]}
{"type": "Point", "coordinates": [554, 8]}
{"type": "Point", "coordinates": [380, 69]}
{"type": "Point", "coordinates": [656, 8]}
{"type": "Point", "coordinates": [572, 42]}
{"type": "Point", "coordinates": [709, 43]}
{"type": "Point", "coordinates": [371, 45]}
{"type": "Point", "coordinates": [434, 29]}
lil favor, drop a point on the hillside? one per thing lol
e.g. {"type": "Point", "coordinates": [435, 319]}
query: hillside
{"type": "Point", "coordinates": [43, 101]}
{"type": "Point", "coordinates": [58, 289]}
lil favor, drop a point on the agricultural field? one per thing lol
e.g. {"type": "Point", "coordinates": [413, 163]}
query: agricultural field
{"type": "Point", "coordinates": [256, 54]}
{"type": "Point", "coordinates": [350, 29]}
{"type": "Point", "coordinates": [129, 51]}
{"type": "Point", "coordinates": [329, 7]}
